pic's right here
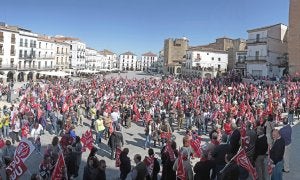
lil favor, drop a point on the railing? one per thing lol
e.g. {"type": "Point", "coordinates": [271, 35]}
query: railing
{"type": "Point", "coordinates": [256, 58]}
{"type": "Point", "coordinates": [8, 67]}
{"type": "Point", "coordinates": [258, 40]}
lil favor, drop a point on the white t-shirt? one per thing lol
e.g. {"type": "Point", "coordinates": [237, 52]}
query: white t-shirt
{"type": "Point", "coordinates": [36, 132]}
{"type": "Point", "coordinates": [115, 116]}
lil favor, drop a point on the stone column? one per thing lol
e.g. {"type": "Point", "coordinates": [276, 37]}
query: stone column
{"type": "Point", "coordinates": [25, 76]}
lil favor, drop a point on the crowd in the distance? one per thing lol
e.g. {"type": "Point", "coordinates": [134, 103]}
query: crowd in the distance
{"type": "Point", "coordinates": [232, 113]}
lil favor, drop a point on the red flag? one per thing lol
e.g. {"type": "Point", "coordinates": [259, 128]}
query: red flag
{"type": "Point", "coordinates": [181, 174]}
{"type": "Point", "coordinates": [149, 161]}
{"type": "Point", "coordinates": [65, 107]}
{"type": "Point", "coordinates": [2, 143]}
{"type": "Point", "coordinates": [196, 146]}
{"type": "Point", "coordinates": [60, 168]}
{"type": "Point", "coordinates": [245, 139]}
{"type": "Point", "coordinates": [170, 151]}
{"type": "Point", "coordinates": [137, 112]}
{"type": "Point", "coordinates": [242, 160]}
{"type": "Point", "coordinates": [165, 135]}
{"type": "Point", "coordinates": [87, 140]}
{"type": "Point", "coordinates": [118, 161]}
{"type": "Point", "coordinates": [39, 113]}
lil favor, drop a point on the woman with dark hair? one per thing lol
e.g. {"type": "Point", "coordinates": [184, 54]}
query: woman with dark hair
{"type": "Point", "coordinates": [93, 152]}
{"type": "Point", "coordinates": [90, 171]}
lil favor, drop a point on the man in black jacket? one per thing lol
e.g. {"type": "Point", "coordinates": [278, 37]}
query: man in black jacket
{"type": "Point", "coordinates": [261, 148]}
{"type": "Point", "coordinates": [276, 155]}
{"type": "Point", "coordinates": [125, 165]}
{"type": "Point", "coordinates": [235, 139]}
{"type": "Point", "coordinates": [115, 140]}
{"type": "Point", "coordinates": [219, 153]}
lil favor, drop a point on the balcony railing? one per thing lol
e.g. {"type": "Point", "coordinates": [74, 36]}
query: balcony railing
{"type": "Point", "coordinates": [46, 57]}
{"type": "Point", "coordinates": [256, 58]}
{"type": "Point", "coordinates": [8, 67]}
{"type": "Point", "coordinates": [258, 40]}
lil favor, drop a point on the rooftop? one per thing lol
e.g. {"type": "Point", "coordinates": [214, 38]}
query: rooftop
{"type": "Point", "coordinates": [264, 28]}
{"type": "Point", "coordinates": [128, 53]}
{"type": "Point", "coordinates": [149, 54]}
{"type": "Point", "coordinates": [106, 52]}
{"type": "Point", "coordinates": [201, 48]}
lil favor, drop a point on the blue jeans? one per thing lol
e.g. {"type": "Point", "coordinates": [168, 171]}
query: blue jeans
{"type": "Point", "coordinates": [188, 122]}
{"type": "Point", "coordinates": [147, 142]}
{"type": "Point", "coordinates": [5, 131]}
{"type": "Point", "coordinates": [277, 171]}
{"type": "Point", "coordinates": [99, 136]}
{"type": "Point", "coordinates": [291, 118]}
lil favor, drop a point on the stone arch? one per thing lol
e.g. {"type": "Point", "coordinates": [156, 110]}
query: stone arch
{"type": "Point", "coordinates": [30, 76]}
{"type": "Point", "coordinates": [37, 75]}
{"type": "Point", "coordinates": [20, 77]}
{"type": "Point", "coordinates": [10, 76]}
{"type": "Point", "coordinates": [178, 70]}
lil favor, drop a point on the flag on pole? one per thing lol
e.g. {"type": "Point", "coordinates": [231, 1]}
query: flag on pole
{"type": "Point", "coordinates": [60, 169]}
{"type": "Point", "coordinates": [118, 153]}
{"type": "Point", "coordinates": [196, 146]}
{"type": "Point", "coordinates": [242, 160]}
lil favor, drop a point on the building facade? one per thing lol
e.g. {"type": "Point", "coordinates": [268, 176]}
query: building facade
{"type": "Point", "coordinates": [94, 61]}
{"type": "Point", "coordinates": [205, 62]}
{"type": "Point", "coordinates": [148, 59]}
{"type": "Point", "coordinates": [174, 54]}
{"type": "Point", "coordinates": [127, 61]}
{"type": "Point", "coordinates": [46, 53]}
{"type": "Point", "coordinates": [110, 59]}
{"type": "Point", "coordinates": [240, 62]}
{"type": "Point", "coordinates": [62, 54]}
{"type": "Point", "coordinates": [294, 38]}
{"type": "Point", "coordinates": [9, 51]}
{"type": "Point", "coordinates": [267, 47]}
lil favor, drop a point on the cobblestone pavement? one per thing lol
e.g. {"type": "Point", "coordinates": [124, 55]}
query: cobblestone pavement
{"type": "Point", "coordinates": [134, 140]}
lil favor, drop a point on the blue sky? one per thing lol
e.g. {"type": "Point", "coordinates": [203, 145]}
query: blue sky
{"type": "Point", "coordinates": [142, 25]}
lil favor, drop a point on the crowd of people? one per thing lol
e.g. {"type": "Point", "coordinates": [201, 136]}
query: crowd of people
{"type": "Point", "coordinates": [234, 114]}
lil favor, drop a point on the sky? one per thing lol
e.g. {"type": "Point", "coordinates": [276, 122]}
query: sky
{"type": "Point", "coordinates": [142, 25]}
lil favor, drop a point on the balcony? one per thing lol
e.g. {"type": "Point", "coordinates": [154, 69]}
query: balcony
{"type": "Point", "coordinates": [8, 67]}
{"type": "Point", "coordinates": [256, 58]}
{"type": "Point", "coordinates": [256, 41]}
{"type": "Point", "coordinates": [46, 57]}
{"type": "Point", "coordinates": [27, 57]}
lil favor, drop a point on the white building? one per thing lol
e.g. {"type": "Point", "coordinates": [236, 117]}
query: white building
{"type": "Point", "coordinates": [9, 51]}
{"type": "Point", "coordinates": [128, 61]}
{"type": "Point", "coordinates": [110, 59]}
{"type": "Point", "coordinates": [148, 59]}
{"type": "Point", "coordinates": [46, 53]}
{"type": "Point", "coordinates": [77, 52]}
{"type": "Point", "coordinates": [205, 62]}
{"type": "Point", "coordinates": [94, 61]}
{"type": "Point", "coordinates": [62, 54]}
{"type": "Point", "coordinates": [266, 48]}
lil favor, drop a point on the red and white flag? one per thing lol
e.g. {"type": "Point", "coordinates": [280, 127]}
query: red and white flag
{"type": "Point", "coordinates": [118, 153]}
{"type": "Point", "coordinates": [196, 146]}
{"type": "Point", "coordinates": [170, 151]}
{"type": "Point", "coordinates": [60, 169]}
{"type": "Point", "coordinates": [181, 174]}
{"type": "Point", "coordinates": [149, 161]}
{"type": "Point", "coordinates": [87, 140]}
{"type": "Point", "coordinates": [242, 160]}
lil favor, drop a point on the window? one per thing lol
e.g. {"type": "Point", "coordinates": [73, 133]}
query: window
{"type": "Point", "coordinates": [219, 59]}
{"type": "Point", "coordinates": [0, 62]}
{"type": "Point", "coordinates": [21, 42]}
{"type": "Point", "coordinates": [256, 54]}
{"type": "Point", "coordinates": [12, 62]}
{"type": "Point", "coordinates": [207, 53]}
{"type": "Point", "coordinates": [45, 63]}
{"type": "Point", "coordinates": [46, 45]}
{"type": "Point", "coordinates": [13, 38]}
{"type": "Point", "coordinates": [12, 50]}
{"type": "Point", "coordinates": [198, 56]}
{"type": "Point", "coordinates": [40, 45]}
{"type": "Point", "coordinates": [1, 37]}
{"type": "Point", "coordinates": [219, 66]}
{"type": "Point", "coordinates": [20, 53]}
{"type": "Point", "coordinates": [31, 43]}
{"type": "Point", "coordinates": [62, 50]}
{"type": "Point", "coordinates": [33, 54]}
{"type": "Point", "coordinates": [51, 64]}
{"type": "Point", "coordinates": [257, 37]}
{"type": "Point", "coordinates": [39, 64]}
{"type": "Point", "coordinates": [34, 44]}
{"type": "Point", "coordinates": [25, 54]}
{"type": "Point", "coordinates": [212, 58]}
{"type": "Point", "coordinates": [26, 43]}
{"type": "Point", "coordinates": [39, 53]}
{"type": "Point", "coordinates": [1, 48]}
{"type": "Point", "coordinates": [70, 47]}
{"type": "Point", "coordinates": [57, 50]}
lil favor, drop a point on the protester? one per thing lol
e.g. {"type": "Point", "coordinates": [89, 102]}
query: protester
{"type": "Point", "coordinates": [152, 165]}
{"type": "Point", "coordinates": [276, 155]}
{"type": "Point", "coordinates": [231, 170]}
{"type": "Point", "coordinates": [261, 148]}
{"type": "Point", "coordinates": [101, 170]}
{"type": "Point", "coordinates": [115, 141]}
{"type": "Point", "coordinates": [140, 170]}
{"type": "Point", "coordinates": [90, 171]}
{"type": "Point", "coordinates": [168, 157]}
{"type": "Point", "coordinates": [8, 152]}
{"type": "Point", "coordinates": [286, 134]}
{"type": "Point", "coordinates": [99, 127]}
{"type": "Point", "coordinates": [77, 149]}
{"type": "Point", "coordinates": [125, 165]}
{"type": "Point", "coordinates": [204, 167]}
